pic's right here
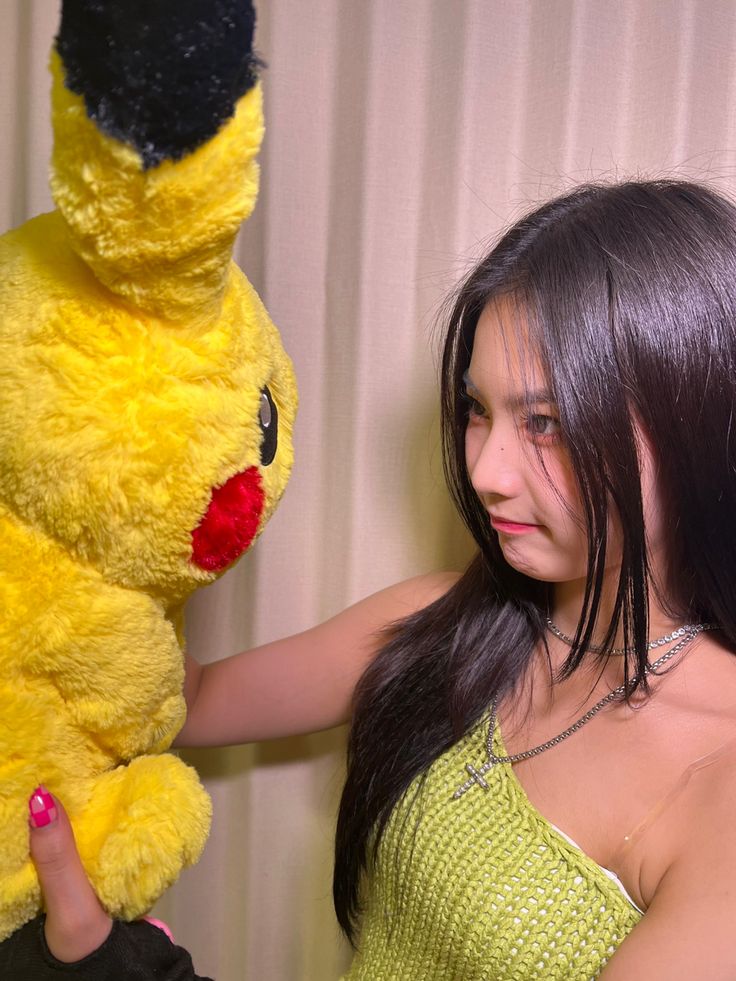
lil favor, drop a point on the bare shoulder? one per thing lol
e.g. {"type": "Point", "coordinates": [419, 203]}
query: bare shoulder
{"type": "Point", "coordinates": [371, 615]}
{"type": "Point", "coordinates": [710, 806]}
{"type": "Point", "coordinates": [688, 928]}
{"type": "Point", "coordinates": [407, 597]}
{"type": "Point", "coordinates": [697, 819]}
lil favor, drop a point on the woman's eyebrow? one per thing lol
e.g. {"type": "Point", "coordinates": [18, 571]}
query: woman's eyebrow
{"type": "Point", "coordinates": [516, 401]}
{"type": "Point", "coordinates": [530, 398]}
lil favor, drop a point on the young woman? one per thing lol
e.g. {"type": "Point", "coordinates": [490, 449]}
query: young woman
{"type": "Point", "coordinates": [542, 757]}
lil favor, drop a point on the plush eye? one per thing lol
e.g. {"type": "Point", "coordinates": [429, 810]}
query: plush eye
{"type": "Point", "coordinates": [268, 419]}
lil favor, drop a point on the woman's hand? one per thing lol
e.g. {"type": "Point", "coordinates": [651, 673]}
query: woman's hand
{"type": "Point", "coordinates": [76, 923]}
{"type": "Point", "coordinates": [82, 941]}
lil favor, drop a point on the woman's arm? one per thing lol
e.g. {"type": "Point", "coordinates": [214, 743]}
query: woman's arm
{"type": "Point", "coordinates": [688, 931]}
{"type": "Point", "coordinates": [299, 684]}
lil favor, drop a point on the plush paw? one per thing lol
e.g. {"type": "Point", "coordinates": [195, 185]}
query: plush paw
{"type": "Point", "coordinates": [143, 824]}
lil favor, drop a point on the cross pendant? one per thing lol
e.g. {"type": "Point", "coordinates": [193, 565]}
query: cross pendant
{"type": "Point", "coordinates": [476, 779]}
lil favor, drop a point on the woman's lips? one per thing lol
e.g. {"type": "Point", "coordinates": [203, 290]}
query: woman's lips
{"type": "Point", "coordinates": [512, 527]}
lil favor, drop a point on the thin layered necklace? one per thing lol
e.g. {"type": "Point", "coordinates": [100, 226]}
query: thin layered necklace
{"type": "Point", "coordinates": [682, 638]}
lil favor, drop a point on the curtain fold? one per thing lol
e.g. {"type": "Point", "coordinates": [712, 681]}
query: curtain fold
{"type": "Point", "coordinates": [402, 137]}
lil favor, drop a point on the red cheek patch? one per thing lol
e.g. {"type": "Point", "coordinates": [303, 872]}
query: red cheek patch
{"type": "Point", "coordinates": [230, 522]}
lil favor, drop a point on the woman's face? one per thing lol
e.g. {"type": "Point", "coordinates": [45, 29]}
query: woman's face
{"type": "Point", "coordinates": [515, 459]}
{"type": "Point", "coordinates": [519, 468]}
{"type": "Point", "coordinates": [521, 472]}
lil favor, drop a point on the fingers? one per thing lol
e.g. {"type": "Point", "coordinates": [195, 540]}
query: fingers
{"type": "Point", "coordinates": [76, 923]}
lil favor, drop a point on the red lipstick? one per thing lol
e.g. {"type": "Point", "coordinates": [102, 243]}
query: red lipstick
{"type": "Point", "coordinates": [512, 527]}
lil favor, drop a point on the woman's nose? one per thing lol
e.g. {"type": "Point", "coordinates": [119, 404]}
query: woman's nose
{"type": "Point", "coordinates": [493, 464]}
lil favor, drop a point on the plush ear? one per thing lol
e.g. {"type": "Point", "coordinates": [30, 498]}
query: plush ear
{"type": "Point", "coordinates": [151, 200]}
{"type": "Point", "coordinates": [160, 75]}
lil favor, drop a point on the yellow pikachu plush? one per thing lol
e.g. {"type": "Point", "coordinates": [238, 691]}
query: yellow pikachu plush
{"type": "Point", "coordinates": [146, 408]}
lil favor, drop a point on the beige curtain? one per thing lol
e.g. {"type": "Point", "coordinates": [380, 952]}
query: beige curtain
{"type": "Point", "coordinates": [403, 135]}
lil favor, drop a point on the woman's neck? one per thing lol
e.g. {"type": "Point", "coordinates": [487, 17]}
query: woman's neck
{"type": "Point", "coordinates": [567, 607]}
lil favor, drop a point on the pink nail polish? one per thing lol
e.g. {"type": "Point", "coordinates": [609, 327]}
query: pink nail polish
{"type": "Point", "coordinates": [161, 925]}
{"type": "Point", "coordinates": [42, 808]}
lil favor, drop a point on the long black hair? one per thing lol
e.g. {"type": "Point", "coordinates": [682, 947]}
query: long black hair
{"type": "Point", "coordinates": [629, 300]}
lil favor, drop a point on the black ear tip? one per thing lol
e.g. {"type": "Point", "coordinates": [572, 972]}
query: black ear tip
{"type": "Point", "coordinates": [162, 75]}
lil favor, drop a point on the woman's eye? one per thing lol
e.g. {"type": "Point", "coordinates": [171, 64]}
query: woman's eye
{"type": "Point", "coordinates": [268, 419]}
{"type": "Point", "coordinates": [538, 424]}
{"type": "Point", "coordinates": [472, 406]}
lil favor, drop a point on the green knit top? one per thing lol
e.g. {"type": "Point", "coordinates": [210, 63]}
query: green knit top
{"type": "Point", "coordinates": [483, 888]}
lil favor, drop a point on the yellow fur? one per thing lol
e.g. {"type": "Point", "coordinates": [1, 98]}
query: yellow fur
{"type": "Point", "coordinates": [148, 234]}
{"type": "Point", "coordinates": [133, 354]}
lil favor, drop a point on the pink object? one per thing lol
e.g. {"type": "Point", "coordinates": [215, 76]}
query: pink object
{"type": "Point", "coordinates": [512, 527]}
{"type": "Point", "coordinates": [161, 925]}
{"type": "Point", "coordinates": [41, 808]}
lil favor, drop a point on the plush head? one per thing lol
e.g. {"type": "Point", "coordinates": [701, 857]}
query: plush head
{"type": "Point", "coordinates": [146, 408]}
{"type": "Point", "coordinates": [146, 399]}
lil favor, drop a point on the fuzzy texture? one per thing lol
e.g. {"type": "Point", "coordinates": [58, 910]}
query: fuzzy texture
{"type": "Point", "coordinates": [133, 355]}
{"type": "Point", "coordinates": [160, 239]}
{"type": "Point", "coordinates": [130, 83]}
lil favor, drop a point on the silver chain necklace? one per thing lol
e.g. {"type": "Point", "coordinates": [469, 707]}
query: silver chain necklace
{"type": "Point", "coordinates": [651, 646]}
{"type": "Point", "coordinates": [477, 776]}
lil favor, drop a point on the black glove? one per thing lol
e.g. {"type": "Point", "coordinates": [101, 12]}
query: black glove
{"type": "Point", "coordinates": [135, 951]}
